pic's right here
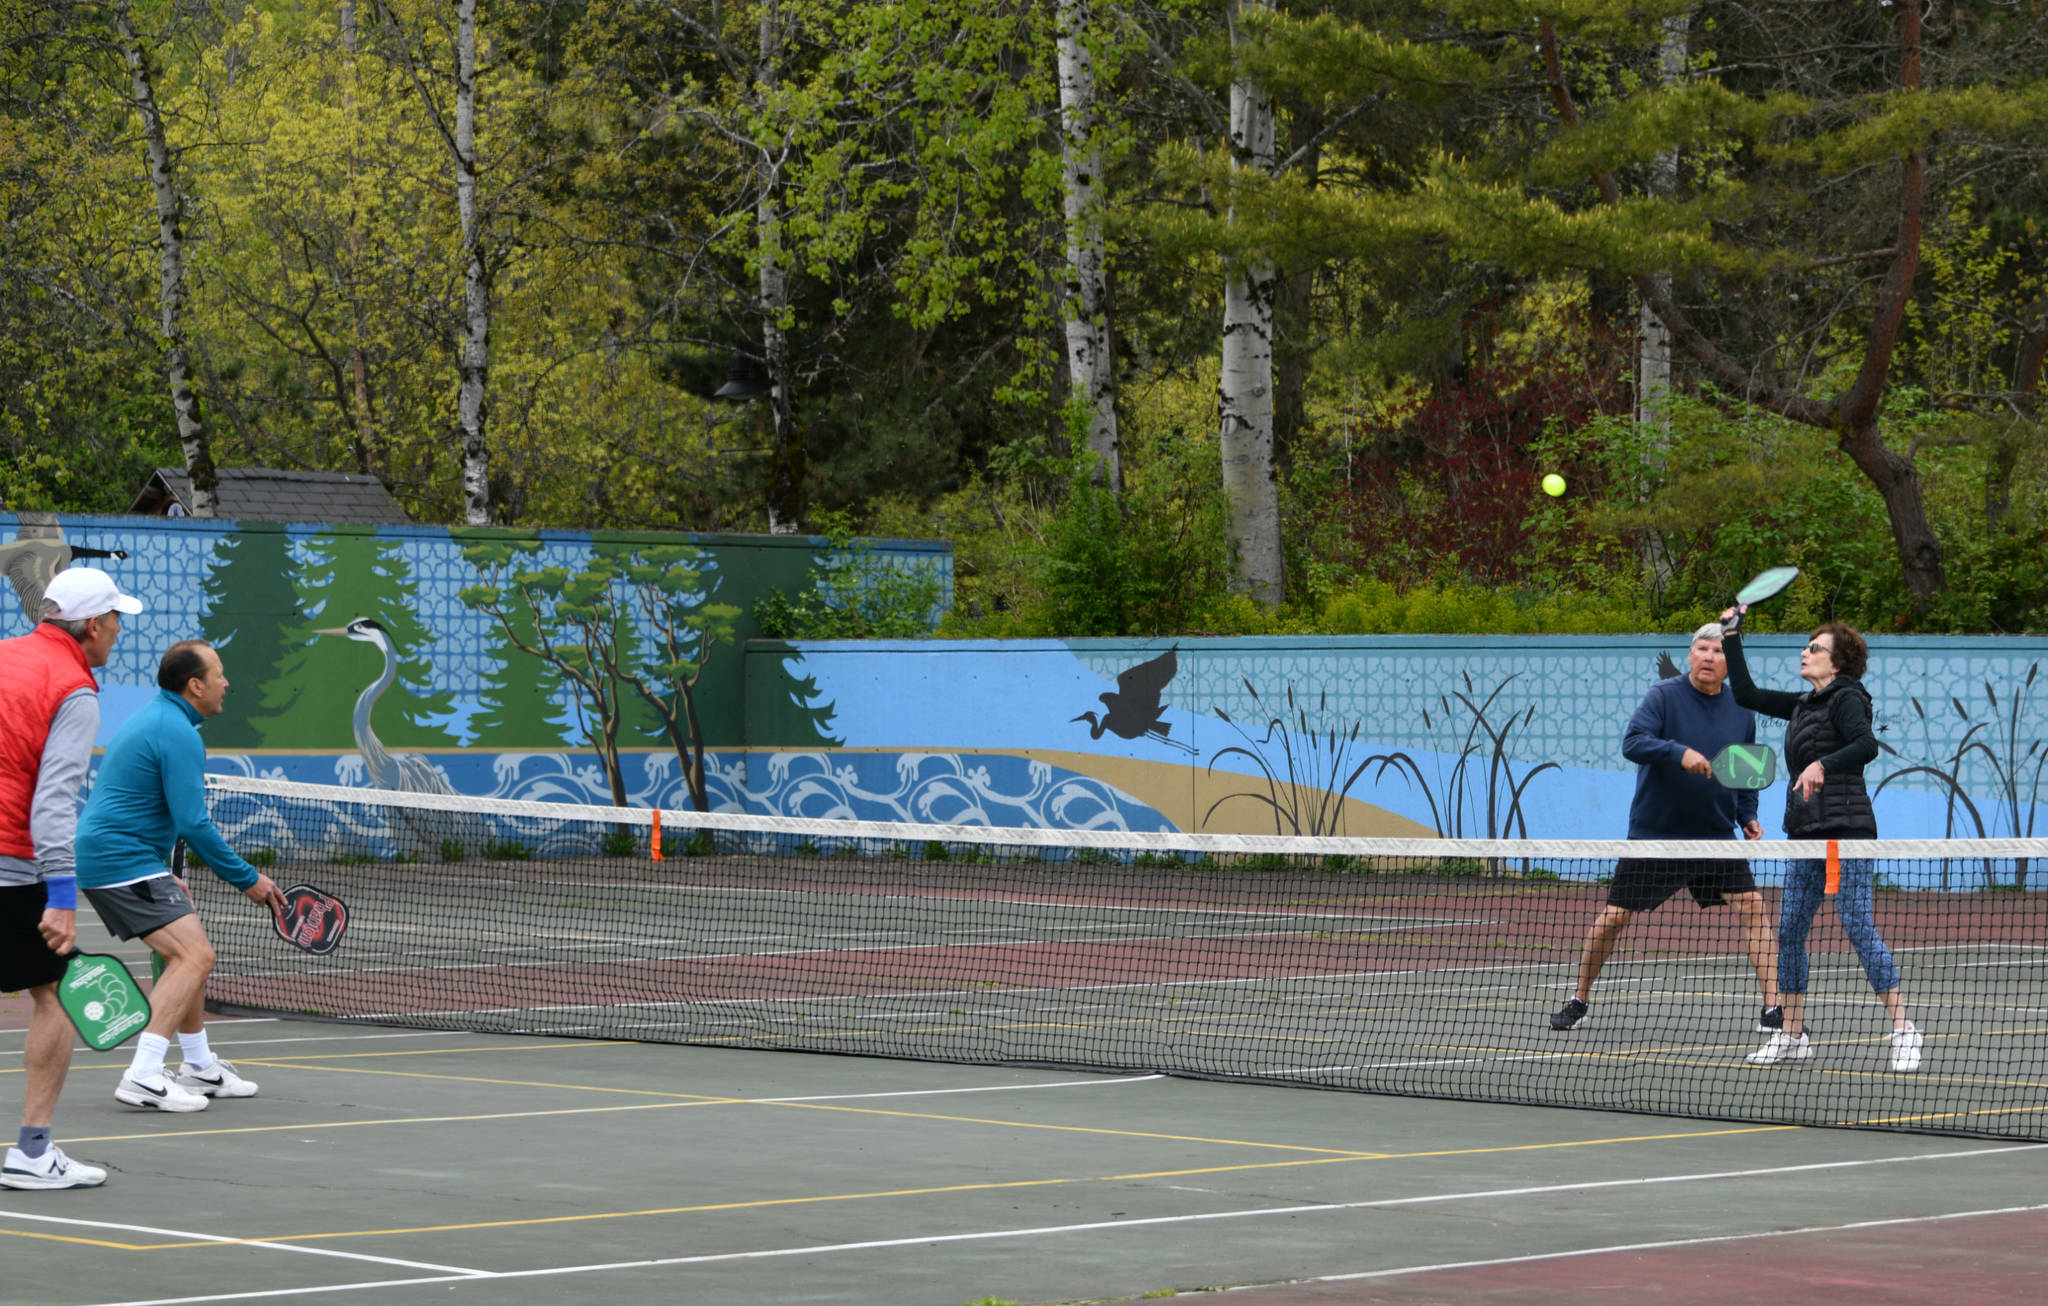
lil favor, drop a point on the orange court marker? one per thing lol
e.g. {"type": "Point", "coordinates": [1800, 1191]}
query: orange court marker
{"type": "Point", "coordinates": [1834, 866]}
{"type": "Point", "coordinates": [654, 842]}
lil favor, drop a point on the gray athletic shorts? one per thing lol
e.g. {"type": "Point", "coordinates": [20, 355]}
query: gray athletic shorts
{"type": "Point", "coordinates": [137, 910]}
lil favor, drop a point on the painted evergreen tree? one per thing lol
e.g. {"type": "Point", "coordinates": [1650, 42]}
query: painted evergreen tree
{"type": "Point", "coordinates": [250, 603]}
{"type": "Point", "coordinates": [348, 575]}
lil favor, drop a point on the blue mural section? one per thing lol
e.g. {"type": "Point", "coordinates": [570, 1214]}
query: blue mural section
{"type": "Point", "coordinates": [918, 787]}
{"type": "Point", "coordinates": [1462, 736]}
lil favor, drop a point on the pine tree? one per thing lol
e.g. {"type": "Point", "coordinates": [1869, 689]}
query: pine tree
{"type": "Point", "coordinates": [348, 575]}
{"type": "Point", "coordinates": [251, 601]}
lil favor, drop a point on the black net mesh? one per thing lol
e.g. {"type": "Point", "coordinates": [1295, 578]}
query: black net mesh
{"type": "Point", "coordinates": [1391, 966]}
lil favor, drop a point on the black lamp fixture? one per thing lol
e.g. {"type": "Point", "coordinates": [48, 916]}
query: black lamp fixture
{"type": "Point", "coordinates": [743, 381]}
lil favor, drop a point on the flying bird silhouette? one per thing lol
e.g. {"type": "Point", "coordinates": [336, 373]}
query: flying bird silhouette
{"type": "Point", "coordinates": [1134, 710]}
{"type": "Point", "coordinates": [1666, 668]}
{"type": "Point", "coordinates": [37, 553]}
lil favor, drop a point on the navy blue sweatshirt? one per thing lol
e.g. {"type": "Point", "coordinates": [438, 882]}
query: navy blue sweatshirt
{"type": "Point", "coordinates": [1671, 803]}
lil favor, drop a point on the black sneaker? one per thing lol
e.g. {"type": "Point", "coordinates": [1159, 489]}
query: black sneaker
{"type": "Point", "coordinates": [1770, 1020]}
{"type": "Point", "coordinates": [1569, 1015]}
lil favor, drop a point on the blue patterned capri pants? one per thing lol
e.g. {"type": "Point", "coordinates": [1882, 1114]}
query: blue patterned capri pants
{"type": "Point", "coordinates": [1805, 886]}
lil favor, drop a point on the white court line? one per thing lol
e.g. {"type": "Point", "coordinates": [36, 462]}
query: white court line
{"type": "Point", "coordinates": [1651, 1247]}
{"type": "Point", "coordinates": [932, 1240]}
{"type": "Point", "coordinates": [941, 1092]}
{"type": "Point", "coordinates": [459, 1271]}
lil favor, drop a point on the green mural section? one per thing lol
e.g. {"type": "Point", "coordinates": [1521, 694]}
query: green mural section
{"type": "Point", "coordinates": [251, 600]}
{"type": "Point", "coordinates": [307, 704]}
{"type": "Point", "coordinates": [310, 618]}
{"type": "Point", "coordinates": [784, 706]}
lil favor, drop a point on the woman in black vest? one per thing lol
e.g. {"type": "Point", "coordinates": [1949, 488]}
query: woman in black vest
{"type": "Point", "coordinates": [1828, 741]}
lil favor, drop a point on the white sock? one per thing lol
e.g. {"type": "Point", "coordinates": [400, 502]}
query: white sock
{"type": "Point", "coordinates": [149, 1056]}
{"type": "Point", "coordinates": [197, 1054]}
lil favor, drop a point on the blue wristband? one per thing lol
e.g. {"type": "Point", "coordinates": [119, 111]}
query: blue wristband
{"type": "Point", "coordinates": [62, 892]}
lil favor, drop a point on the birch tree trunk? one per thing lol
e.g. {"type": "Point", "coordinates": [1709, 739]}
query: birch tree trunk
{"type": "Point", "coordinates": [787, 464]}
{"type": "Point", "coordinates": [1653, 387]}
{"type": "Point", "coordinates": [472, 409]}
{"type": "Point", "coordinates": [170, 217]}
{"type": "Point", "coordinates": [1091, 371]}
{"type": "Point", "coordinates": [1245, 394]}
{"type": "Point", "coordinates": [371, 458]}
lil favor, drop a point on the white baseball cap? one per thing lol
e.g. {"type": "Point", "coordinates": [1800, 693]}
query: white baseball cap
{"type": "Point", "coordinates": [82, 592]}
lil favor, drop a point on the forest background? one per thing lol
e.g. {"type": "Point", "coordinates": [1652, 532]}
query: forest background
{"type": "Point", "coordinates": [1174, 317]}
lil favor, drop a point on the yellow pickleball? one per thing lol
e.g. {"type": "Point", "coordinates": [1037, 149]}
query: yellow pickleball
{"type": "Point", "coordinates": [1553, 485]}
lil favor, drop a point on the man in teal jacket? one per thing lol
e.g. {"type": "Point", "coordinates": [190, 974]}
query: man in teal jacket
{"type": "Point", "coordinates": [149, 793]}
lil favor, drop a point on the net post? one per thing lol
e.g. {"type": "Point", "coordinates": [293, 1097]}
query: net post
{"type": "Point", "coordinates": [1834, 884]}
{"type": "Point", "coordinates": [654, 839]}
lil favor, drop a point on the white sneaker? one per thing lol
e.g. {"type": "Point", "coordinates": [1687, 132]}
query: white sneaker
{"type": "Point", "coordinates": [217, 1080]}
{"type": "Point", "coordinates": [1906, 1049]}
{"type": "Point", "coordinates": [52, 1169]}
{"type": "Point", "coordinates": [1782, 1047]}
{"type": "Point", "coordinates": [158, 1093]}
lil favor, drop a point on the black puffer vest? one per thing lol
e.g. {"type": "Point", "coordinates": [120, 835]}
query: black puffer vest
{"type": "Point", "coordinates": [1842, 805]}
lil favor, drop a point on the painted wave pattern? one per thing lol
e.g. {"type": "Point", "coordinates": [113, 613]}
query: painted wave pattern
{"type": "Point", "coordinates": [921, 788]}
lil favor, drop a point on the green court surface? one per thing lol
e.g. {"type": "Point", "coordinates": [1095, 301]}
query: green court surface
{"type": "Point", "coordinates": [408, 1166]}
{"type": "Point", "coordinates": [411, 1166]}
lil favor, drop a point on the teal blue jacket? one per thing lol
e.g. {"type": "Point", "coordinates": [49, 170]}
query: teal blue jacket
{"type": "Point", "coordinates": [149, 793]}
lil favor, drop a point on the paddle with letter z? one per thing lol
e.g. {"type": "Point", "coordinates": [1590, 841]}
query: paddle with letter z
{"type": "Point", "coordinates": [1746, 766]}
{"type": "Point", "coordinates": [102, 999]}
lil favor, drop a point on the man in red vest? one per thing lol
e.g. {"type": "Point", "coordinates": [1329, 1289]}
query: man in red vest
{"type": "Point", "coordinates": [49, 716]}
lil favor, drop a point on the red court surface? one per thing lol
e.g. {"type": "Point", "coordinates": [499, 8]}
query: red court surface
{"type": "Point", "coordinates": [1983, 1260]}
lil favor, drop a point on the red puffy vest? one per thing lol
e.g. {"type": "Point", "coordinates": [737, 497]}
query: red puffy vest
{"type": "Point", "coordinates": [38, 672]}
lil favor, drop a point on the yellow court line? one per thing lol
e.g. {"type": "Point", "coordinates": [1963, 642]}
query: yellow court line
{"type": "Point", "coordinates": [701, 1099]}
{"type": "Point", "coordinates": [995, 1186]}
{"type": "Point", "coordinates": [156, 1135]}
{"type": "Point", "coordinates": [85, 1242]}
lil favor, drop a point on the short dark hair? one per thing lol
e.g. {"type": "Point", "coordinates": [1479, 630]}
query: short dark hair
{"type": "Point", "coordinates": [181, 665]}
{"type": "Point", "coordinates": [1851, 654]}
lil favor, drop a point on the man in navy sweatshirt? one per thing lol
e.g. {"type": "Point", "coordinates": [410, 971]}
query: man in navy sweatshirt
{"type": "Point", "coordinates": [1682, 723]}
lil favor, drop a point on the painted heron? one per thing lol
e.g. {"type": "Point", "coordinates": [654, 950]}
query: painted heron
{"type": "Point", "coordinates": [1134, 710]}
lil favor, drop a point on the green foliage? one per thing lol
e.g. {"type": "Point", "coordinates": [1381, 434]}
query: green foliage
{"type": "Point", "coordinates": [1377, 608]}
{"type": "Point", "coordinates": [855, 592]}
{"type": "Point", "coordinates": [618, 843]}
{"type": "Point", "coordinates": [1152, 561]}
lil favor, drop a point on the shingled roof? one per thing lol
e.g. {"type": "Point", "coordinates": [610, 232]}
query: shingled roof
{"type": "Point", "coordinates": [271, 494]}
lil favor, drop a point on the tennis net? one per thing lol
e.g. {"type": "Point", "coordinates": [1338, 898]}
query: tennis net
{"type": "Point", "coordinates": [1419, 967]}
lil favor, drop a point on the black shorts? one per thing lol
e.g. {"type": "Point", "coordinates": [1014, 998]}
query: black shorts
{"type": "Point", "coordinates": [134, 911]}
{"type": "Point", "coordinates": [1641, 884]}
{"type": "Point", "coordinates": [26, 962]}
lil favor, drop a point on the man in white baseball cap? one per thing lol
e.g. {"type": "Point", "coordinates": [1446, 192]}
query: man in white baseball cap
{"type": "Point", "coordinates": [49, 715]}
{"type": "Point", "coordinates": [81, 593]}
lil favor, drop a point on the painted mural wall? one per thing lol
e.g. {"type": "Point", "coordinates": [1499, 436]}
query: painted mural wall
{"type": "Point", "coordinates": [492, 662]}
{"type": "Point", "coordinates": [1395, 735]}
{"type": "Point", "coordinates": [418, 657]}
